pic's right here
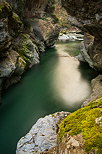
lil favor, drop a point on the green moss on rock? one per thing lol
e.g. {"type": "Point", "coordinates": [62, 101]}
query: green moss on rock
{"type": "Point", "coordinates": [5, 10]}
{"type": "Point", "coordinates": [83, 121]}
{"type": "Point", "coordinates": [15, 24]}
{"type": "Point", "coordinates": [26, 48]}
{"type": "Point", "coordinates": [1, 7]}
{"type": "Point", "coordinates": [22, 46]}
{"type": "Point", "coordinates": [16, 18]}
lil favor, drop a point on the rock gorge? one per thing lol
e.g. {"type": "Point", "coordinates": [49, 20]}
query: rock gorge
{"type": "Point", "coordinates": [24, 34]}
{"type": "Point", "coordinates": [87, 15]}
{"type": "Point", "coordinates": [27, 28]}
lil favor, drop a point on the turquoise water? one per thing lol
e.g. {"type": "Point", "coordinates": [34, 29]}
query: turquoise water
{"type": "Point", "coordinates": [56, 84]}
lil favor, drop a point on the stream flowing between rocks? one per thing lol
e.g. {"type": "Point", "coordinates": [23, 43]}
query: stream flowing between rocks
{"type": "Point", "coordinates": [59, 83]}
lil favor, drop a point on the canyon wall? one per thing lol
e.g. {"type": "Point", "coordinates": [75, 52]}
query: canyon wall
{"type": "Point", "coordinates": [81, 131]}
{"type": "Point", "coordinates": [26, 30]}
{"type": "Point", "coordinates": [87, 15]}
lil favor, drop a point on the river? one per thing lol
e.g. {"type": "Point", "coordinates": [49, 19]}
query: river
{"type": "Point", "coordinates": [58, 83]}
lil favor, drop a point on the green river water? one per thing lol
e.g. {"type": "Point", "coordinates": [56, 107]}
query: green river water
{"type": "Point", "coordinates": [58, 83]}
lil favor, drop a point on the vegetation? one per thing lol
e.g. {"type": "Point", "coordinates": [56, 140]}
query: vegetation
{"type": "Point", "coordinates": [5, 9]}
{"type": "Point", "coordinates": [24, 46]}
{"type": "Point", "coordinates": [22, 49]}
{"type": "Point", "coordinates": [84, 121]}
{"type": "Point", "coordinates": [16, 17]}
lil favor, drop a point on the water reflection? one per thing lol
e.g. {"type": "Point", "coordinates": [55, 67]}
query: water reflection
{"type": "Point", "coordinates": [68, 82]}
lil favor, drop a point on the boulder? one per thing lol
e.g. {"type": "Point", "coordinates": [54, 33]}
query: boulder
{"type": "Point", "coordinates": [96, 90]}
{"type": "Point", "coordinates": [42, 136]}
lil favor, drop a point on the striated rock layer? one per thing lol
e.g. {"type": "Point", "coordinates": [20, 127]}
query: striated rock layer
{"type": "Point", "coordinates": [87, 15]}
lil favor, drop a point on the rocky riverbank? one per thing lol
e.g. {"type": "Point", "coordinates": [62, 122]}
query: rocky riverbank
{"type": "Point", "coordinates": [66, 133]}
{"type": "Point", "coordinates": [81, 131]}
{"type": "Point", "coordinates": [24, 34]}
{"type": "Point", "coordinates": [27, 28]}
{"type": "Point", "coordinates": [42, 136]}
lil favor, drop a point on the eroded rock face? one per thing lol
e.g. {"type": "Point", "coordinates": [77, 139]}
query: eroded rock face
{"type": "Point", "coordinates": [8, 64]}
{"type": "Point", "coordinates": [87, 15]}
{"type": "Point", "coordinates": [23, 35]}
{"type": "Point", "coordinates": [5, 38]}
{"type": "Point", "coordinates": [29, 8]}
{"type": "Point", "coordinates": [42, 136]}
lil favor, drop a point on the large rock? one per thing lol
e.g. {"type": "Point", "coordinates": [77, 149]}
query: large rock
{"type": "Point", "coordinates": [80, 132]}
{"type": "Point", "coordinates": [87, 15]}
{"type": "Point", "coordinates": [42, 136]}
{"type": "Point", "coordinates": [96, 90]}
{"type": "Point", "coordinates": [84, 56]}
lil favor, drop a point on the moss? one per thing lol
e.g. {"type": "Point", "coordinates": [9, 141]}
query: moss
{"type": "Point", "coordinates": [24, 46]}
{"type": "Point", "coordinates": [16, 18]}
{"type": "Point", "coordinates": [23, 50]}
{"type": "Point", "coordinates": [83, 121]}
{"type": "Point", "coordinates": [1, 7]}
{"type": "Point", "coordinates": [5, 10]}
{"type": "Point", "coordinates": [15, 24]}
{"type": "Point", "coordinates": [95, 103]}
